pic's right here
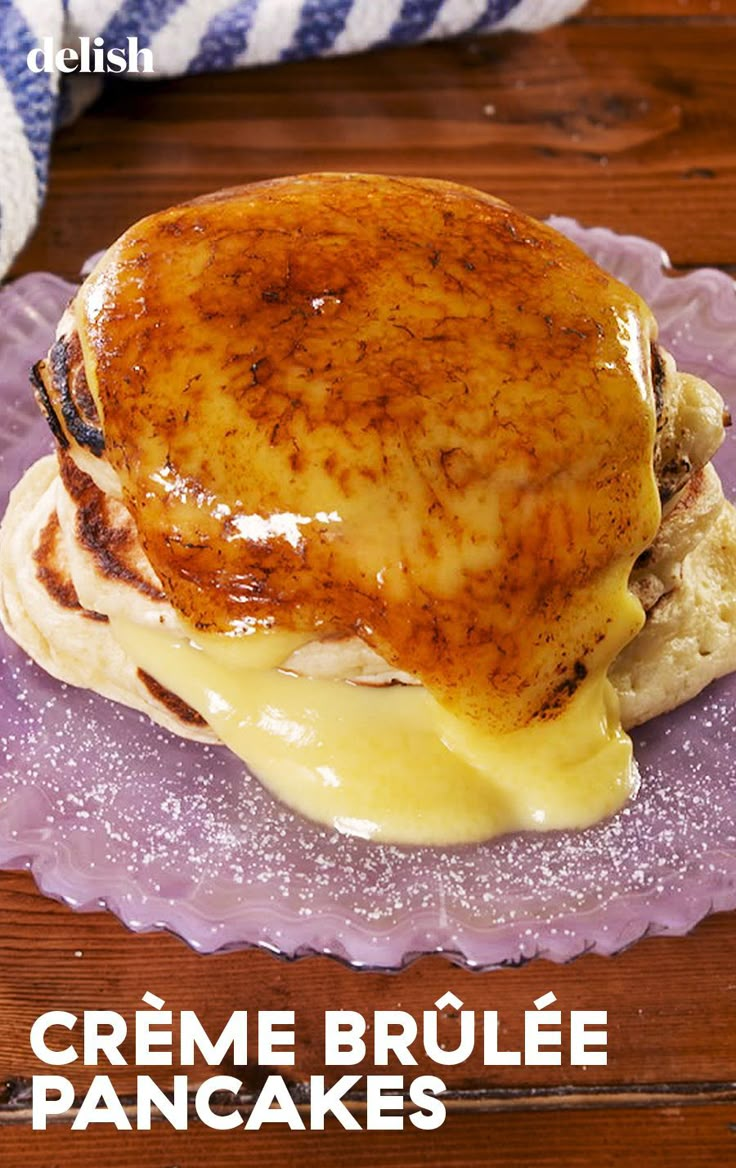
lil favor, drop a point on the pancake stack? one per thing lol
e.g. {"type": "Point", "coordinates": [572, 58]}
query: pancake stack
{"type": "Point", "coordinates": [288, 320]}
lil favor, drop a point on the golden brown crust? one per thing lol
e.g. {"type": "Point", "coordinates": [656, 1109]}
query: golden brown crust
{"type": "Point", "coordinates": [45, 603]}
{"type": "Point", "coordinates": [114, 546]}
{"type": "Point", "coordinates": [385, 345]}
{"type": "Point", "coordinates": [173, 704]}
{"type": "Point", "coordinates": [51, 572]}
{"type": "Point", "coordinates": [63, 394]}
{"type": "Point", "coordinates": [345, 404]}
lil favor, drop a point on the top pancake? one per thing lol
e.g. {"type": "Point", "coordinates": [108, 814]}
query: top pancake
{"type": "Point", "coordinates": [316, 419]}
{"type": "Point", "coordinates": [394, 409]}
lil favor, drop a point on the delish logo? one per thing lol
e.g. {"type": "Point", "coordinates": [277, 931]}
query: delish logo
{"type": "Point", "coordinates": [91, 57]}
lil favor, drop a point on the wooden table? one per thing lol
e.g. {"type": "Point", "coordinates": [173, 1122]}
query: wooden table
{"type": "Point", "coordinates": [624, 117]}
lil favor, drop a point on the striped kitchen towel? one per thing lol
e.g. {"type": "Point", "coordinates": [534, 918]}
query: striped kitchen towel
{"type": "Point", "coordinates": [190, 36]}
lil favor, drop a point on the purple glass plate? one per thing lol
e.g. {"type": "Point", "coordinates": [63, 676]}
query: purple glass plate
{"type": "Point", "coordinates": [108, 810]}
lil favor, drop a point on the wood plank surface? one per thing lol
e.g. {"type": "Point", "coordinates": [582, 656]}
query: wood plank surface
{"type": "Point", "coordinates": [658, 1137]}
{"type": "Point", "coordinates": [641, 10]}
{"type": "Point", "coordinates": [625, 117]}
{"type": "Point", "coordinates": [662, 1137]}
{"type": "Point", "coordinates": [581, 121]}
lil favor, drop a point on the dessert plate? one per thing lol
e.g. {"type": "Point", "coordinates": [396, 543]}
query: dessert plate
{"type": "Point", "coordinates": [107, 810]}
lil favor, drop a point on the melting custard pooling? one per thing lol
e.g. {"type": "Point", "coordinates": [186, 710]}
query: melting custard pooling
{"type": "Point", "coordinates": [396, 409]}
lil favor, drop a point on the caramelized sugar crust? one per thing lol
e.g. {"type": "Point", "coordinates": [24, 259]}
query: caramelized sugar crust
{"type": "Point", "coordinates": [391, 408]}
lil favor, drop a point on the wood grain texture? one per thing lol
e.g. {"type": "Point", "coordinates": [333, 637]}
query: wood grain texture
{"type": "Point", "coordinates": [657, 1137]}
{"type": "Point", "coordinates": [626, 117]}
{"type": "Point", "coordinates": [682, 10]}
{"type": "Point", "coordinates": [625, 126]}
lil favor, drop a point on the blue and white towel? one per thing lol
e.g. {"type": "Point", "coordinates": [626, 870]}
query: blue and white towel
{"type": "Point", "coordinates": [190, 36]}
